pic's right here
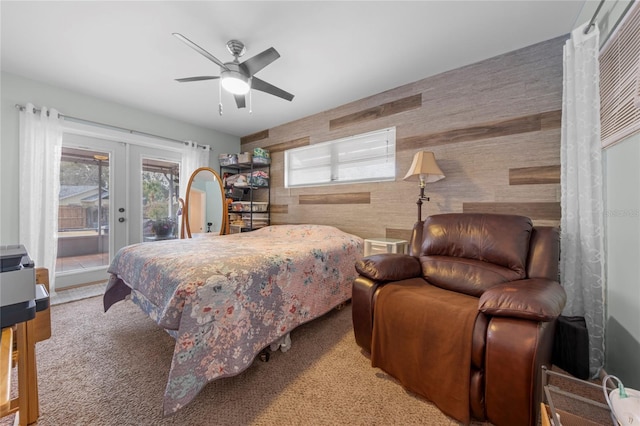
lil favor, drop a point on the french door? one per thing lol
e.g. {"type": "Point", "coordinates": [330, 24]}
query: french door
{"type": "Point", "coordinates": [154, 194]}
{"type": "Point", "coordinates": [112, 194]}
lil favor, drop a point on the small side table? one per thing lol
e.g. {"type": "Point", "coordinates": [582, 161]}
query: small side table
{"type": "Point", "coordinates": [385, 245]}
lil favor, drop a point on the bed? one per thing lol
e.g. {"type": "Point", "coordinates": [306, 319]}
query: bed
{"type": "Point", "coordinates": [226, 298]}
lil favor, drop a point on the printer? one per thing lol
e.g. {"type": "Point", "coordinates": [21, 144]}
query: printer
{"type": "Point", "coordinates": [20, 297]}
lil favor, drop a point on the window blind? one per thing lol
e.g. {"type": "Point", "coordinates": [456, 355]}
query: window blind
{"type": "Point", "coordinates": [620, 81]}
{"type": "Point", "coordinates": [368, 157]}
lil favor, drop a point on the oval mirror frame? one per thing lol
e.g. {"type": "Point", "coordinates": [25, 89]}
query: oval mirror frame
{"type": "Point", "coordinates": [182, 211]}
{"type": "Point", "coordinates": [223, 205]}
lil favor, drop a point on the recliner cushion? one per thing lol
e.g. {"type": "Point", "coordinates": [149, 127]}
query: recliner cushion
{"type": "Point", "coordinates": [472, 252]}
{"type": "Point", "coordinates": [468, 276]}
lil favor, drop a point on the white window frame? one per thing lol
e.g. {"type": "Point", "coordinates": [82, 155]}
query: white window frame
{"type": "Point", "coordinates": [367, 157]}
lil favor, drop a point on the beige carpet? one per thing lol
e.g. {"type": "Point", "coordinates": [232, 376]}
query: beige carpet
{"type": "Point", "coordinates": [111, 369]}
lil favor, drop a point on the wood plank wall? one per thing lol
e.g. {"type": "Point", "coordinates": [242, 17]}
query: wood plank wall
{"type": "Point", "coordinates": [494, 127]}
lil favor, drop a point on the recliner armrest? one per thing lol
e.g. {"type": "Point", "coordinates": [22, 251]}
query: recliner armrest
{"type": "Point", "coordinates": [535, 299]}
{"type": "Point", "coordinates": [389, 267]}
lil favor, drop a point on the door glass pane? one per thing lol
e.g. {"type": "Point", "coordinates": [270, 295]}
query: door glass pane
{"type": "Point", "coordinates": [160, 205]}
{"type": "Point", "coordinates": [83, 214]}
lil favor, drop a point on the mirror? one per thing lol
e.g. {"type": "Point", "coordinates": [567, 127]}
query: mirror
{"type": "Point", "coordinates": [205, 206]}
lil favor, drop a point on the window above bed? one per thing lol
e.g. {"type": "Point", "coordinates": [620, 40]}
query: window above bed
{"type": "Point", "coordinates": [368, 157]}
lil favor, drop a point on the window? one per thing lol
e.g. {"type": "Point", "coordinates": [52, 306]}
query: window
{"type": "Point", "coordinates": [368, 157]}
{"type": "Point", "coordinates": [83, 211]}
{"type": "Point", "coordinates": [160, 195]}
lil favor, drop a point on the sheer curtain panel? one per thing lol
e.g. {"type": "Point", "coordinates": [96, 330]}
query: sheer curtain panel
{"type": "Point", "coordinates": [582, 223]}
{"type": "Point", "coordinates": [40, 150]}
{"type": "Point", "coordinates": [194, 156]}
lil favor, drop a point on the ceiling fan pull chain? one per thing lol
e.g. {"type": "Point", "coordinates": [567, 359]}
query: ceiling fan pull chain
{"type": "Point", "coordinates": [220, 99]}
{"type": "Point", "coordinates": [250, 100]}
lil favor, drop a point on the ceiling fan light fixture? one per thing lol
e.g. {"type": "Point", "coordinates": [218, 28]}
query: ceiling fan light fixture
{"type": "Point", "coordinates": [237, 77]}
{"type": "Point", "coordinates": [235, 82]}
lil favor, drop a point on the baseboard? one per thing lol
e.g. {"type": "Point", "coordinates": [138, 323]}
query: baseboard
{"type": "Point", "coordinates": [76, 286]}
{"type": "Point", "coordinates": [602, 374]}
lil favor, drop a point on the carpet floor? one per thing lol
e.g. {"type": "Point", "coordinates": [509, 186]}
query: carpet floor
{"type": "Point", "coordinates": [111, 369]}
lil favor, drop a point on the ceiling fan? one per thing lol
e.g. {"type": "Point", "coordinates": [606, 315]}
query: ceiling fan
{"type": "Point", "coordinates": [237, 77]}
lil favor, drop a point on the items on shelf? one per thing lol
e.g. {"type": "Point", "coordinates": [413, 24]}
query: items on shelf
{"type": "Point", "coordinates": [257, 178]}
{"type": "Point", "coordinates": [245, 157]}
{"type": "Point", "coordinates": [228, 159]}
{"type": "Point", "coordinates": [249, 206]}
{"type": "Point", "coordinates": [259, 156]}
{"type": "Point", "coordinates": [246, 186]}
{"type": "Point", "coordinates": [238, 181]}
{"type": "Point", "coordinates": [258, 220]}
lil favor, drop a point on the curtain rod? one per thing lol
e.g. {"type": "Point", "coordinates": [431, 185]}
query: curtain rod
{"type": "Point", "coordinates": [121, 129]}
{"type": "Point", "coordinates": [593, 18]}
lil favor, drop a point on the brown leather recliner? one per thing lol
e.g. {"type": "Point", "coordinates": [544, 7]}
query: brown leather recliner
{"type": "Point", "coordinates": [467, 318]}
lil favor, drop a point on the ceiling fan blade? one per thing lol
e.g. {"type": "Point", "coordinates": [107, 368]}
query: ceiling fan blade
{"type": "Point", "coordinates": [265, 87]}
{"type": "Point", "coordinates": [200, 50]}
{"type": "Point", "coordinates": [259, 61]}
{"type": "Point", "coordinates": [240, 101]}
{"type": "Point", "coordinates": [200, 78]}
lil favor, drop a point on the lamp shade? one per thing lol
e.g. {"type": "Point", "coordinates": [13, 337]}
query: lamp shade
{"type": "Point", "coordinates": [424, 168]}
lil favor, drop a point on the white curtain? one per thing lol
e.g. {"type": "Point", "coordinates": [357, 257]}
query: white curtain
{"type": "Point", "coordinates": [40, 151]}
{"type": "Point", "coordinates": [194, 156]}
{"type": "Point", "coordinates": [582, 224]}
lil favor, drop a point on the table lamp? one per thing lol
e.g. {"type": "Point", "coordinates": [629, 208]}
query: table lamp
{"type": "Point", "coordinates": [425, 169]}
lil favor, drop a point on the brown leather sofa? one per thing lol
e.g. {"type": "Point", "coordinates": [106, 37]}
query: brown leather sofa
{"type": "Point", "coordinates": [465, 320]}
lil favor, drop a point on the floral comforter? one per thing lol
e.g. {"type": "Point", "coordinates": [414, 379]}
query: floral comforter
{"type": "Point", "coordinates": [225, 298]}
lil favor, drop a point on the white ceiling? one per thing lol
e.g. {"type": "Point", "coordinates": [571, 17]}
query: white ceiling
{"type": "Point", "coordinates": [332, 52]}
